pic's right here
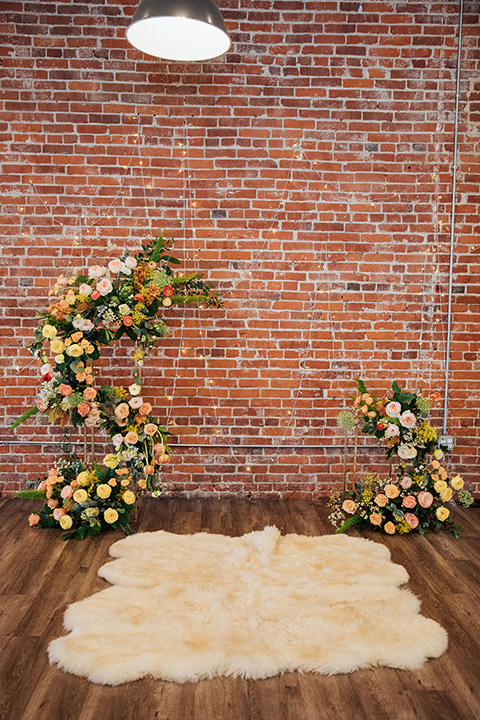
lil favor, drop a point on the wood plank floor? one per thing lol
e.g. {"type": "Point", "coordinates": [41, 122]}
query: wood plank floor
{"type": "Point", "coordinates": [40, 575]}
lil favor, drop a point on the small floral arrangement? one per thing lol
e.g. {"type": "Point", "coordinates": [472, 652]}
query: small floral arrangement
{"type": "Point", "coordinates": [412, 501]}
{"type": "Point", "coordinates": [398, 420]}
{"type": "Point", "coordinates": [86, 500]}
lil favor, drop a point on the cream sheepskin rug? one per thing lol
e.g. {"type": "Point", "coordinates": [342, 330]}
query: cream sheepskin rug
{"type": "Point", "coordinates": [186, 607]}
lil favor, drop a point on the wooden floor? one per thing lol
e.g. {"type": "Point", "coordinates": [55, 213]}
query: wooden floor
{"type": "Point", "coordinates": [40, 575]}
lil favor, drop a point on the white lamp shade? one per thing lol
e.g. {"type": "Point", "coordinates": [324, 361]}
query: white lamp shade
{"type": "Point", "coordinates": [181, 30]}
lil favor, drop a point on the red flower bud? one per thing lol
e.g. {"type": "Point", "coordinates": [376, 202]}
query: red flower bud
{"type": "Point", "coordinates": [380, 426]}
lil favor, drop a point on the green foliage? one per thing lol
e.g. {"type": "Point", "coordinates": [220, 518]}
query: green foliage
{"type": "Point", "coordinates": [30, 494]}
{"type": "Point", "coordinates": [349, 522]}
{"type": "Point", "coordinates": [26, 415]}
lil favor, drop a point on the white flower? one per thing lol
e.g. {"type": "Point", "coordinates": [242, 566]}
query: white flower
{"type": "Point", "coordinates": [406, 482]}
{"type": "Point", "coordinates": [96, 271]}
{"type": "Point", "coordinates": [124, 309]}
{"type": "Point", "coordinates": [406, 452]}
{"type": "Point", "coordinates": [135, 402]}
{"type": "Point", "coordinates": [393, 409]}
{"type": "Point", "coordinates": [392, 430]}
{"type": "Point", "coordinates": [115, 266]}
{"type": "Point", "coordinates": [59, 359]}
{"type": "Point", "coordinates": [126, 270]}
{"type": "Point", "coordinates": [130, 262]}
{"type": "Point", "coordinates": [408, 419]}
{"type": "Point", "coordinates": [47, 368]}
{"type": "Point", "coordinates": [117, 439]}
{"type": "Point", "coordinates": [104, 286]}
{"type": "Point", "coordinates": [134, 389]}
{"type": "Point", "coordinates": [78, 322]}
{"type": "Point", "coordinates": [128, 455]}
{"type": "Point", "coordinates": [85, 289]}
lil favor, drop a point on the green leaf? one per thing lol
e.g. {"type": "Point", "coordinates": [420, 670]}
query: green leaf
{"type": "Point", "coordinates": [131, 333]}
{"type": "Point", "coordinates": [28, 414]}
{"type": "Point", "coordinates": [157, 249]}
{"type": "Point", "coordinates": [349, 522]}
{"type": "Point", "coordinates": [170, 259]}
{"type": "Point", "coordinates": [361, 385]}
{"type": "Point", "coordinates": [31, 494]}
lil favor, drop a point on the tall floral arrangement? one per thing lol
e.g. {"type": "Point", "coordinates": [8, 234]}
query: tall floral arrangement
{"type": "Point", "coordinates": [87, 312]}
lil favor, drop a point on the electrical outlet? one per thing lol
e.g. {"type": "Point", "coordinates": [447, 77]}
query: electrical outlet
{"type": "Point", "coordinates": [445, 442]}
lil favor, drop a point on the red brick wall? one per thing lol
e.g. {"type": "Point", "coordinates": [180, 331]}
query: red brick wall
{"type": "Point", "coordinates": [321, 284]}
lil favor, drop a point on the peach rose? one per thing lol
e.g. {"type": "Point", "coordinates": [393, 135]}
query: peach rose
{"type": "Point", "coordinates": [349, 506]}
{"type": "Point", "coordinates": [406, 482]}
{"type": "Point", "coordinates": [425, 499]}
{"type": "Point", "coordinates": [164, 458]}
{"type": "Point", "coordinates": [159, 448]}
{"type": "Point", "coordinates": [33, 519]}
{"type": "Point", "coordinates": [436, 465]}
{"type": "Point", "coordinates": [122, 410]}
{"type": "Point", "coordinates": [83, 409]}
{"type": "Point", "coordinates": [145, 408]}
{"type": "Point", "coordinates": [409, 502]}
{"type": "Point", "coordinates": [131, 438]}
{"type": "Point", "coordinates": [412, 520]}
{"type": "Point", "coordinates": [58, 513]}
{"type": "Point", "coordinates": [85, 289]}
{"type": "Point", "coordinates": [115, 266]}
{"type": "Point", "coordinates": [142, 484]}
{"type": "Point", "coordinates": [95, 295]}
{"type": "Point", "coordinates": [148, 470]}
{"type": "Point", "coordinates": [65, 390]}
{"type": "Point", "coordinates": [393, 409]}
{"type": "Point", "coordinates": [391, 491]}
{"type": "Point", "coordinates": [389, 528]}
{"type": "Point", "coordinates": [90, 393]}
{"type": "Point", "coordinates": [375, 518]}
{"type": "Point", "coordinates": [96, 271]}
{"type": "Point", "coordinates": [67, 492]}
{"type": "Point", "coordinates": [150, 428]}
{"type": "Point", "coordinates": [130, 262]}
{"type": "Point", "coordinates": [381, 500]}
{"type": "Point", "coordinates": [52, 503]}
{"type": "Point", "coordinates": [408, 419]}
{"type": "Point", "coordinates": [392, 430]}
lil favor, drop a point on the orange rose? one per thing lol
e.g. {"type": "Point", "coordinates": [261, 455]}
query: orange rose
{"type": "Point", "coordinates": [375, 518]}
{"type": "Point", "coordinates": [65, 390]}
{"type": "Point", "coordinates": [389, 528]}
{"type": "Point", "coordinates": [150, 428]}
{"type": "Point", "coordinates": [381, 500]}
{"type": "Point", "coordinates": [148, 470]}
{"type": "Point", "coordinates": [145, 409]}
{"type": "Point", "coordinates": [131, 437]}
{"type": "Point", "coordinates": [89, 393]}
{"type": "Point", "coordinates": [391, 491]}
{"type": "Point", "coordinates": [425, 499]}
{"type": "Point", "coordinates": [33, 519]}
{"type": "Point", "coordinates": [349, 506]}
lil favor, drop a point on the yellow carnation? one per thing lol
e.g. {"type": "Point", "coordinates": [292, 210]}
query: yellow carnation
{"type": "Point", "coordinates": [129, 497]}
{"type": "Point", "coordinates": [57, 346]}
{"type": "Point", "coordinates": [440, 486]}
{"type": "Point", "coordinates": [49, 331]}
{"type": "Point", "coordinates": [110, 460]}
{"type": "Point", "coordinates": [457, 482]}
{"type": "Point", "coordinates": [110, 515]}
{"type": "Point", "coordinates": [80, 496]}
{"type": "Point", "coordinates": [66, 522]}
{"type": "Point", "coordinates": [443, 513]}
{"type": "Point", "coordinates": [104, 491]}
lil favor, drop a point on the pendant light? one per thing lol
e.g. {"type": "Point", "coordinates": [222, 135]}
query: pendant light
{"type": "Point", "coordinates": [182, 30]}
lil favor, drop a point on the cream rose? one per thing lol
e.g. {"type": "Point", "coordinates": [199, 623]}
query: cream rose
{"type": "Point", "coordinates": [110, 516]}
{"type": "Point", "coordinates": [104, 491]}
{"type": "Point", "coordinates": [393, 409]}
{"type": "Point", "coordinates": [408, 419]}
{"type": "Point", "coordinates": [66, 522]}
{"type": "Point", "coordinates": [115, 266]}
{"type": "Point", "coordinates": [96, 271]}
{"type": "Point", "coordinates": [349, 506]}
{"type": "Point", "coordinates": [129, 497]}
{"type": "Point", "coordinates": [391, 491]}
{"type": "Point", "coordinates": [80, 496]}
{"type": "Point", "coordinates": [104, 286]}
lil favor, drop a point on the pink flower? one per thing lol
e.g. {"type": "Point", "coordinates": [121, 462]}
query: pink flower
{"type": "Point", "coordinates": [408, 419]}
{"type": "Point", "coordinates": [115, 266]}
{"type": "Point", "coordinates": [150, 428]}
{"type": "Point", "coordinates": [406, 482]}
{"type": "Point", "coordinates": [117, 439]}
{"type": "Point", "coordinates": [389, 528]}
{"type": "Point", "coordinates": [65, 390]}
{"type": "Point", "coordinates": [85, 289]}
{"type": "Point", "coordinates": [95, 295]}
{"type": "Point", "coordinates": [89, 393]}
{"type": "Point", "coordinates": [425, 499]}
{"type": "Point", "coordinates": [412, 520]}
{"type": "Point", "coordinates": [392, 430]}
{"type": "Point", "coordinates": [58, 513]}
{"type": "Point", "coordinates": [104, 286]}
{"type": "Point", "coordinates": [96, 271]}
{"type": "Point", "coordinates": [391, 491]}
{"type": "Point", "coordinates": [349, 506]}
{"type": "Point", "coordinates": [381, 500]}
{"type": "Point", "coordinates": [145, 408]}
{"type": "Point", "coordinates": [67, 492]}
{"type": "Point", "coordinates": [122, 410]}
{"type": "Point", "coordinates": [127, 320]}
{"type": "Point", "coordinates": [365, 397]}
{"type": "Point", "coordinates": [159, 448]}
{"type": "Point", "coordinates": [393, 409]}
{"type": "Point", "coordinates": [409, 502]}
{"type": "Point", "coordinates": [33, 519]}
{"type": "Point", "coordinates": [135, 402]}
{"type": "Point", "coordinates": [131, 437]}
{"type": "Point", "coordinates": [83, 409]}
{"type": "Point", "coordinates": [138, 297]}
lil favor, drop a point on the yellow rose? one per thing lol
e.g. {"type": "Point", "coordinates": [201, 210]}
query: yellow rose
{"type": "Point", "coordinates": [59, 359]}
{"type": "Point", "coordinates": [104, 491]}
{"type": "Point", "coordinates": [90, 349]}
{"type": "Point", "coordinates": [440, 486]}
{"type": "Point", "coordinates": [443, 513]}
{"type": "Point", "coordinates": [438, 454]}
{"type": "Point", "coordinates": [446, 495]}
{"type": "Point", "coordinates": [74, 350]}
{"type": "Point", "coordinates": [110, 515]}
{"type": "Point", "coordinates": [66, 522]}
{"type": "Point", "coordinates": [457, 482]}
{"type": "Point", "coordinates": [80, 496]}
{"type": "Point", "coordinates": [57, 346]}
{"type": "Point", "coordinates": [83, 478]}
{"type": "Point", "coordinates": [129, 497]}
{"type": "Point", "coordinates": [49, 331]}
{"type": "Point", "coordinates": [110, 460]}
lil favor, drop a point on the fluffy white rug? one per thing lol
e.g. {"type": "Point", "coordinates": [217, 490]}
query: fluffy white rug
{"type": "Point", "coordinates": [186, 607]}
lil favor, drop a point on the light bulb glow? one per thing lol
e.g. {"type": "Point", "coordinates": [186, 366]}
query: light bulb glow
{"type": "Point", "coordinates": [178, 38]}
